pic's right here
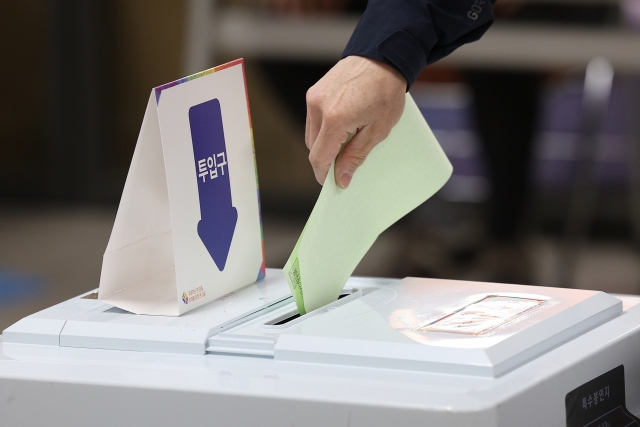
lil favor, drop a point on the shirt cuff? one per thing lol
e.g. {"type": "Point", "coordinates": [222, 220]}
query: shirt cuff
{"type": "Point", "coordinates": [405, 54]}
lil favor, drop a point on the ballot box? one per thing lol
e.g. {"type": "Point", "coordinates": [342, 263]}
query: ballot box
{"type": "Point", "coordinates": [388, 352]}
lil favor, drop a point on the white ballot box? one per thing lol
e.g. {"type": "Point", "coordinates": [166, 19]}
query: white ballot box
{"type": "Point", "coordinates": [389, 352]}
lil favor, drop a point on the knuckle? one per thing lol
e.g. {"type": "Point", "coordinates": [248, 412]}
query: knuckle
{"type": "Point", "coordinates": [358, 159]}
{"type": "Point", "coordinates": [314, 96]}
{"type": "Point", "coordinates": [384, 133]}
{"type": "Point", "coordinates": [331, 117]}
{"type": "Point", "coordinates": [381, 132]}
{"type": "Point", "coordinates": [357, 156]}
{"type": "Point", "coordinates": [314, 159]}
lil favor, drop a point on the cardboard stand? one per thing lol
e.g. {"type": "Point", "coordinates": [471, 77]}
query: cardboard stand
{"type": "Point", "coordinates": [188, 228]}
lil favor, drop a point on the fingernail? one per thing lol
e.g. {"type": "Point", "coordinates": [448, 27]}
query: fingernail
{"type": "Point", "coordinates": [345, 180]}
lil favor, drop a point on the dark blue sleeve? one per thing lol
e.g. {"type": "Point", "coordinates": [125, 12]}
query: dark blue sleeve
{"type": "Point", "coordinates": [411, 34]}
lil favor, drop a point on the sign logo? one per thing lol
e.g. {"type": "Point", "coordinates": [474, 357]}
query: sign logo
{"type": "Point", "coordinates": [185, 298]}
{"type": "Point", "coordinates": [218, 217]}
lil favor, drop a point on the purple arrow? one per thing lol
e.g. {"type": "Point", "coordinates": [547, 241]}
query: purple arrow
{"type": "Point", "coordinates": [218, 216]}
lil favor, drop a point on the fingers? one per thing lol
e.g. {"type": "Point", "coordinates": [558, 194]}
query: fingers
{"type": "Point", "coordinates": [314, 118]}
{"type": "Point", "coordinates": [307, 138]}
{"type": "Point", "coordinates": [356, 94]}
{"type": "Point", "coordinates": [355, 153]}
{"type": "Point", "coordinates": [325, 149]}
{"type": "Point", "coordinates": [312, 129]}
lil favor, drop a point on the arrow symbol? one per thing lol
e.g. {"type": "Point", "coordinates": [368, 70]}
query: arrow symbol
{"type": "Point", "coordinates": [218, 217]}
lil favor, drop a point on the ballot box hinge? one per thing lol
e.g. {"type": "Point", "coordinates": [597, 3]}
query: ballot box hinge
{"type": "Point", "coordinates": [246, 317]}
{"type": "Point", "coordinates": [234, 345]}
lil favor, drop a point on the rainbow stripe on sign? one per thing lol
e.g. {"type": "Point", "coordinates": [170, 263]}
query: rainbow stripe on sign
{"type": "Point", "coordinates": [158, 91]}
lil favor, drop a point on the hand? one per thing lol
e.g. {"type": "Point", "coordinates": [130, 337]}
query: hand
{"type": "Point", "coordinates": [358, 96]}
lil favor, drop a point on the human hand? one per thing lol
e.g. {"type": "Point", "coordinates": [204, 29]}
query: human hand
{"type": "Point", "coordinates": [359, 96]}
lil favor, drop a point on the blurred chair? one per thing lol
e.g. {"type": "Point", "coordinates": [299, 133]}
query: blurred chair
{"type": "Point", "coordinates": [631, 85]}
{"type": "Point", "coordinates": [584, 194]}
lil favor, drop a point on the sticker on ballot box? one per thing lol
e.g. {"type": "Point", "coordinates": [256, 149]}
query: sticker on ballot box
{"type": "Point", "coordinates": [188, 227]}
{"type": "Point", "coordinates": [600, 402]}
{"type": "Point", "coordinates": [484, 315]}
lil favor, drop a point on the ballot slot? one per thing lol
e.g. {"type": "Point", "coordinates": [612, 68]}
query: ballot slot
{"type": "Point", "coordinates": [258, 336]}
{"type": "Point", "coordinates": [293, 317]}
{"type": "Point", "coordinates": [231, 324]}
{"type": "Point", "coordinates": [290, 317]}
{"type": "Point", "coordinates": [274, 305]}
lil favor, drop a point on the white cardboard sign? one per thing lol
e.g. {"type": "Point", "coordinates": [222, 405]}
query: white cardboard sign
{"type": "Point", "coordinates": [188, 228]}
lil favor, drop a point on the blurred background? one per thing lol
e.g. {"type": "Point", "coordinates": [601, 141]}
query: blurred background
{"type": "Point", "coordinates": [541, 120]}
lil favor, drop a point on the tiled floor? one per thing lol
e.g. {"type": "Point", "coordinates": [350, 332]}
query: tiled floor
{"type": "Point", "coordinates": [56, 253]}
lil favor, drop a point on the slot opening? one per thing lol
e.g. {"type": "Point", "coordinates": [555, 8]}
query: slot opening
{"type": "Point", "coordinates": [292, 317]}
{"type": "Point", "coordinates": [287, 320]}
{"type": "Point", "coordinates": [296, 315]}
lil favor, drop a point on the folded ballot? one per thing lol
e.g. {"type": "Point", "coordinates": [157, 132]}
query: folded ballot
{"type": "Point", "coordinates": [399, 174]}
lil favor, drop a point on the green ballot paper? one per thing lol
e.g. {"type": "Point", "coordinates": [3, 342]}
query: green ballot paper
{"type": "Point", "coordinates": [399, 174]}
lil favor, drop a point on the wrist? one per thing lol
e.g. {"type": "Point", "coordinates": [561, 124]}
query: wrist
{"type": "Point", "coordinates": [393, 75]}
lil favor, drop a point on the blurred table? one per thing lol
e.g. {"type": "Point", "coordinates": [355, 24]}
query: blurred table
{"type": "Point", "coordinates": [540, 46]}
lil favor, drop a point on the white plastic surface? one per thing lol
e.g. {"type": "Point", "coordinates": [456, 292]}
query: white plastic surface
{"type": "Point", "coordinates": [99, 325]}
{"type": "Point", "coordinates": [347, 335]}
{"type": "Point", "coordinates": [44, 327]}
{"type": "Point", "coordinates": [383, 323]}
{"type": "Point", "coordinates": [62, 387]}
{"type": "Point", "coordinates": [384, 328]}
